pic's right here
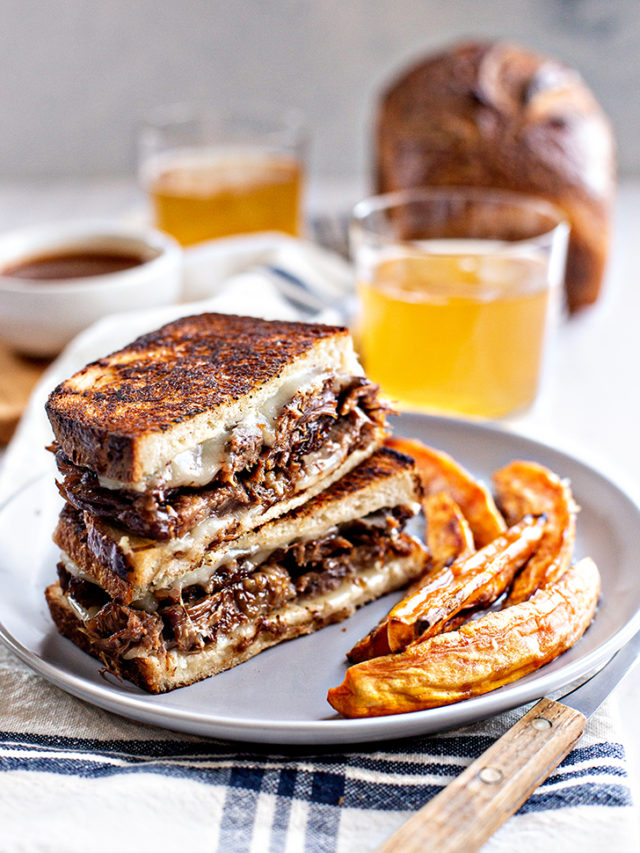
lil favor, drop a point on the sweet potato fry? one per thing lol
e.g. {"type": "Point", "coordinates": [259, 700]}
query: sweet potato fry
{"type": "Point", "coordinates": [526, 487]}
{"type": "Point", "coordinates": [476, 581]}
{"type": "Point", "coordinates": [375, 644]}
{"type": "Point", "coordinates": [448, 538]}
{"type": "Point", "coordinates": [485, 654]}
{"type": "Point", "coordinates": [440, 473]}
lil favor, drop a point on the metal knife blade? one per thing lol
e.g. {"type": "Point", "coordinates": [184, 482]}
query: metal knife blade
{"type": "Point", "coordinates": [589, 696]}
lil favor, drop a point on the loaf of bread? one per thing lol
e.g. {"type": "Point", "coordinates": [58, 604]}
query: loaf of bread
{"type": "Point", "coordinates": [497, 115]}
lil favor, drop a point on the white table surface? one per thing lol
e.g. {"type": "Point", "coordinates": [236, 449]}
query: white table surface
{"type": "Point", "coordinates": [589, 404]}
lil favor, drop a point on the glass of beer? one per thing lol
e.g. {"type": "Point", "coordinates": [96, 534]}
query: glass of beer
{"type": "Point", "coordinates": [456, 290]}
{"type": "Point", "coordinates": [209, 175]}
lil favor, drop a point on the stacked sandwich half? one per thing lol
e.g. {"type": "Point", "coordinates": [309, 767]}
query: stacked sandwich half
{"type": "Point", "coordinates": [225, 489]}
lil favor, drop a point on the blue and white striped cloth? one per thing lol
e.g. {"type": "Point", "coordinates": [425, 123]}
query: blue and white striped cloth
{"type": "Point", "coordinates": [75, 779]}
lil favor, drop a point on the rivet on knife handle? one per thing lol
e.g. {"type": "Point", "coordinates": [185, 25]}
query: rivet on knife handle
{"type": "Point", "coordinates": [492, 788]}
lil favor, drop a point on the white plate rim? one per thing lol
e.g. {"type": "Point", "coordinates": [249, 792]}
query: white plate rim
{"type": "Point", "coordinates": [347, 731]}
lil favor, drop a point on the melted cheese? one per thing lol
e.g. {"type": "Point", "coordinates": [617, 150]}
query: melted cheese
{"type": "Point", "coordinates": [255, 555]}
{"type": "Point", "coordinates": [198, 465]}
{"type": "Point", "coordinates": [314, 465]}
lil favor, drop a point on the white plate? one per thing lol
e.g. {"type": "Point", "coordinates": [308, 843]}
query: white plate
{"type": "Point", "coordinates": [280, 695]}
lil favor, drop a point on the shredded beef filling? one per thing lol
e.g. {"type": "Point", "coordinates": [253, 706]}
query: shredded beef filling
{"type": "Point", "coordinates": [189, 627]}
{"type": "Point", "coordinates": [341, 420]}
{"type": "Point", "coordinates": [190, 618]}
{"type": "Point", "coordinates": [113, 628]}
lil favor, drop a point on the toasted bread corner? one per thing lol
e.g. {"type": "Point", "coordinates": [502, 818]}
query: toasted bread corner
{"type": "Point", "coordinates": [124, 414]}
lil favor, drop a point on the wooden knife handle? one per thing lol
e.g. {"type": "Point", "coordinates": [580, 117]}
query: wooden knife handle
{"type": "Point", "coordinates": [476, 803]}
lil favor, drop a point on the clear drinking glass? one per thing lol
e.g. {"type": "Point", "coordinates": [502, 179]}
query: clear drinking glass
{"type": "Point", "coordinates": [209, 175]}
{"type": "Point", "coordinates": [456, 289]}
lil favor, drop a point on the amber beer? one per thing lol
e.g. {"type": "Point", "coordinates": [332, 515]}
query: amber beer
{"type": "Point", "coordinates": [203, 195]}
{"type": "Point", "coordinates": [456, 289]}
{"type": "Point", "coordinates": [212, 174]}
{"type": "Point", "coordinates": [455, 332]}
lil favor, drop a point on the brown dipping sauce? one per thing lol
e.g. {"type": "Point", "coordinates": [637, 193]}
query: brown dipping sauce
{"type": "Point", "coordinates": [78, 264]}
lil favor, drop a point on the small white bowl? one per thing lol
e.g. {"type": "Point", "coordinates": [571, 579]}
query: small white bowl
{"type": "Point", "coordinates": [39, 317]}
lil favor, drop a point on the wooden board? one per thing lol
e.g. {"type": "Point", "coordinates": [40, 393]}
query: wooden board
{"type": "Point", "coordinates": [18, 375]}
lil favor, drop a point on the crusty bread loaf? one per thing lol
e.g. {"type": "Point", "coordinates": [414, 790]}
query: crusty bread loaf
{"type": "Point", "coordinates": [497, 115]}
{"type": "Point", "coordinates": [127, 415]}
{"type": "Point", "coordinates": [122, 565]}
{"type": "Point", "coordinates": [176, 669]}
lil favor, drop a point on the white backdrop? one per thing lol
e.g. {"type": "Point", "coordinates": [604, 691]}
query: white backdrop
{"type": "Point", "coordinates": [78, 74]}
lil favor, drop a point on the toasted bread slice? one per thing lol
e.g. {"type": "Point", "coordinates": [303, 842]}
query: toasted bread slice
{"type": "Point", "coordinates": [128, 415]}
{"type": "Point", "coordinates": [158, 673]}
{"type": "Point", "coordinates": [128, 567]}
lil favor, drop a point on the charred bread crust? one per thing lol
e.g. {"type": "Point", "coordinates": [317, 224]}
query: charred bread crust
{"type": "Point", "coordinates": [161, 673]}
{"type": "Point", "coordinates": [94, 553]}
{"type": "Point", "coordinates": [382, 465]}
{"type": "Point", "coordinates": [496, 115]}
{"type": "Point", "coordinates": [195, 366]}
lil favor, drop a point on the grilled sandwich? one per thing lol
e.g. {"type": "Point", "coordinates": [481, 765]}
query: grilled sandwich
{"type": "Point", "coordinates": [224, 490]}
{"type": "Point", "coordinates": [310, 567]}
{"type": "Point", "coordinates": [207, 428]}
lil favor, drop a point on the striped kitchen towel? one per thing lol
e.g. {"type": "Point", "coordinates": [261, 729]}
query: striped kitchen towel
{"type": "Point", "coordinates": [74, 778]}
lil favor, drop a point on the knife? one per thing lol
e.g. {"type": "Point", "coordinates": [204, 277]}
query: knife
{"type": "Point", "coordinates": [470, 809]}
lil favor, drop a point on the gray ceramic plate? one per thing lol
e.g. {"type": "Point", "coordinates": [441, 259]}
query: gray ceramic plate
{"type": "Point", "coordinates": [279, 696]}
